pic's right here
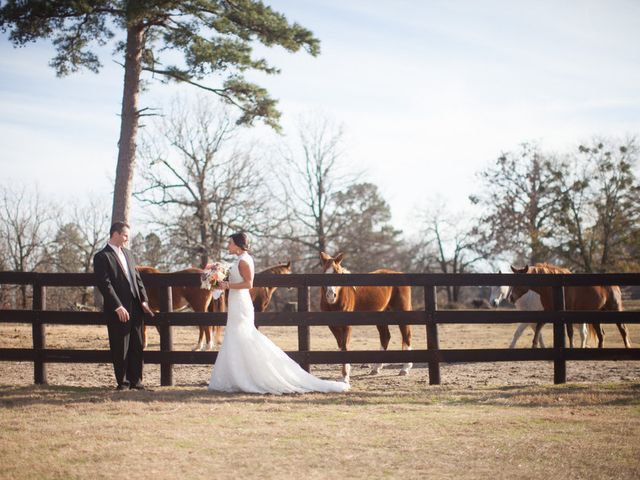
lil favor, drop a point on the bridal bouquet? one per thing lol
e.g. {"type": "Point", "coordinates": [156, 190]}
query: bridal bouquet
{"type": "Point", "coordinates": [213, 274]}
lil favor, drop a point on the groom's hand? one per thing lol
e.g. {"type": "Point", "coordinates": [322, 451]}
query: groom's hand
{"type": "Point", "coordinates": [146, 308]}
{"type": "Point", "coordinates": [123, 315]}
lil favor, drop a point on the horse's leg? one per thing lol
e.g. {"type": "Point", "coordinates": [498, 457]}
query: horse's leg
{"type": "Point", "coordinates": [583, 335]}
{"type": "Point", "coordinates": [405, 331]}
{"type": "Point", "coordinates": [218, 305]}
{"type": "Point", "coordinates": [200, 345]}
{"type": "Point", "coordinates": [144, 337]}
{"type": "Point", "coordinates": [385, 337]}
{"type": "Point", "coordinates": [217, 335]}
{"type": "Point", "coordinates": [519, 329]}
{"type": "Point", "coordinates": [625, 334]}
{"type": "Point", "coordinates": [569, 327]}
{"type": "Point", "coordinates": [400, 301]}
{"type": "Point", "coordinates": [340, 334]}
{"type": "Point", "coordinates": [208, 333]}
{"type": "Point", "coordinates": [599, 333]}
{"type": "Point", "coordinates": [346, 369]}
{"type": "Point", "coordinates": [536, 334]}
{"type": "Point", "coordinates": [540, 340]}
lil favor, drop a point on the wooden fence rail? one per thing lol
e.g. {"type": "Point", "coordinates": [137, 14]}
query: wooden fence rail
{"type": "Point", "coordinates": [303, 319]}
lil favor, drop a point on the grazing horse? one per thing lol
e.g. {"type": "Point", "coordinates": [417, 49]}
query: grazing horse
{"type": "Point", "coordinates": [597, 297]}
{"type": "Point", "coordinates": [364, 299]}
{"type": "Point", "coordinates": [199, 299]}
{"type": "Point", "coordinates": [530, 301]}
{"type": "Point", "coordinates": [261, 296]}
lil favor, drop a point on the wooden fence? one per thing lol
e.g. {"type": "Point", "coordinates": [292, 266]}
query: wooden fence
{"type": "Point", "coordinates": [430, 317]}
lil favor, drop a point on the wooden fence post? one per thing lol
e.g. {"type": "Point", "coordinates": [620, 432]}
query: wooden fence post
{"type": "Point", "coordinates": [39, 340]}
{"type": "Point", "coordinates": [166, 338]}
{"type": "Point", "coordinates": [559, 339]}
{"type": "Point", "coordinates": [304, 332]}
{"type": "Point", "coordinates": [430, 306]}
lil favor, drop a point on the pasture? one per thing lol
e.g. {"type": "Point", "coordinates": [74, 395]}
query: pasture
{"type": "Point", "coordinates": [503, 420]}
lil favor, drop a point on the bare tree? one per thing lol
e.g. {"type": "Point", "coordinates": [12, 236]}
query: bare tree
{"type": "Point", "coordinates": [447, 245]}
{"type": "Point", "coordinates": [312, 176]}
{"type": "Point", "coordinates": [574, 216]}
{"type": "Point", "coordinates": [24, 230]}
{"type": "Point", "coordinates": [204, 185]}
{"type": "Point", "coordinates": [519, 201]}
{"type": "Point", "coordinates": [599, 214]}
{"type": "Point", "coordinates": [5, 290]}
{"type": "Point", "coordinates": [80, 235]}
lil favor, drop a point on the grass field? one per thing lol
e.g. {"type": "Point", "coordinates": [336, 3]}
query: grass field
{"type": "Point", "coordinates": [498, 420]}
{"type": "Point", "coordinates": [409, 431]}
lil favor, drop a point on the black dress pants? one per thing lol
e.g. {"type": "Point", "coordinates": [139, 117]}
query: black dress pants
{"type": "Point", "coordinates": [125, 342]}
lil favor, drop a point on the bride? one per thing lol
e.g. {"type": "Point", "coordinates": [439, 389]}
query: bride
{"type": "Point", "coordinates": [248, 361]}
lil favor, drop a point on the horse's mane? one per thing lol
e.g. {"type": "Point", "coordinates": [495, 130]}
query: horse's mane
{"type": "Point", "coordinates": [547, 268]}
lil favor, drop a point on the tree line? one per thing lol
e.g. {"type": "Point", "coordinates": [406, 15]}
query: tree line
{"type": "Point", "coordinates": [200, 180]}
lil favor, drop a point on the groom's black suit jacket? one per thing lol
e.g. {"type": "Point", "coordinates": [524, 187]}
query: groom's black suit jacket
{"type": "Point", "coordinates": [113, 284]}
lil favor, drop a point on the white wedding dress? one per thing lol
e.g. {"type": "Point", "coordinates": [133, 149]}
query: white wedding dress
{"type": "Point", "coordinates": [250, 362]}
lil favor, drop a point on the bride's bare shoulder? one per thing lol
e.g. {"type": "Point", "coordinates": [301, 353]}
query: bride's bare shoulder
{"type": "Point", "coordinates": [247, 260]}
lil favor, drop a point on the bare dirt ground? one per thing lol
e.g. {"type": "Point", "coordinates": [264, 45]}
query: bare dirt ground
{"type": "Point", "coordinates": [364, 338]}
{"type": "Point", "coordinates": [501, 420]}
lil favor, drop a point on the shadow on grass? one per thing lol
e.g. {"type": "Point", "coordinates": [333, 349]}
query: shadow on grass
{"type": "Point", "coordinates": [568, 395]}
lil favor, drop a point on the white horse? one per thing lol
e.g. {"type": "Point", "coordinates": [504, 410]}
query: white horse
{"type": "Point", "coordinates": [529, 301]}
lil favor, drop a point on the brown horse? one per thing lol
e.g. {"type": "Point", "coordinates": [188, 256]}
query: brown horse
{"type": "Point", "coordinates": [199, 299]}
{"type": "Point", "coordinates": [598, 297]}
{"type": "Point", "coordinates": [261, 296]}
{"type": "Point", "coordinates": [364, 299]}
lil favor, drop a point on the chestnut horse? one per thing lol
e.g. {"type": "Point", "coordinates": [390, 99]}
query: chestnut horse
{"type": "Point", "coordinates": [364, 299]}
{"type": "Point", "coordinates": [597, 297]}
{"type": "Point", "coordinates": [199, 299]}
{"type": "Point", "coordinates": [261, 296]}
{"type": "Point", "coordinates": [530, 301]}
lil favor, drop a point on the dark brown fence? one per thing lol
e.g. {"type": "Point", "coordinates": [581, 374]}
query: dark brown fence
{"type": "Point", "coordinates": [430, 317]}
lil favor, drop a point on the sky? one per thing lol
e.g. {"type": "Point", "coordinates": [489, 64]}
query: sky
{"type": "Point", "coordinates": [428, 93]}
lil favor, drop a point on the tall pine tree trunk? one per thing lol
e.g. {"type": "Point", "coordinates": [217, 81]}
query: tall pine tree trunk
{"type": "Point", "coordinates": [128, 124]}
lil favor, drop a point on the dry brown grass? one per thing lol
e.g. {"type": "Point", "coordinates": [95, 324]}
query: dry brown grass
{"type": "Point", "coordinates": [574, 431]}
{"type": "Point", "coordinates": [500, 420]}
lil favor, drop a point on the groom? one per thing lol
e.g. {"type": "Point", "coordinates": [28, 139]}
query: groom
{"type": "Point", "coordinates": [125, 301]}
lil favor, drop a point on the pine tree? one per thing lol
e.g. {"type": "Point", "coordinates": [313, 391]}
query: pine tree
{"type": "Point", "coordinates": [187, 41]}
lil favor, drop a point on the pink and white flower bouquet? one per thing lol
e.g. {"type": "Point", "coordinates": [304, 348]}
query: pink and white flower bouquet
{"type": "Point", "coordinates": [213, 274]}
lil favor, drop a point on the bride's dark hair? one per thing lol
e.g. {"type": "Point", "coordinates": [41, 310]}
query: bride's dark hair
{"type": "Point", "coordinates": [241, 239]}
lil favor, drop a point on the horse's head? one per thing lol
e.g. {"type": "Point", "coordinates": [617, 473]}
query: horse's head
{"type": "Point", "coordinates": [332, 265]}
{"type": "Point", "coordinates": [282, 269]}
{"type": "Point", "coordinates": [498, 294]}
{"type": "Point", "coordinates": [518, 291]}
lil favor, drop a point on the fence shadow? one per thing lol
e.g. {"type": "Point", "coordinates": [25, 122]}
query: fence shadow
{"type": "Point", "coordinates": [527, 396]}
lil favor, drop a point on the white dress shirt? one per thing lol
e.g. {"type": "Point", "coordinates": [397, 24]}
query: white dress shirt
{"type": "Point", "coordinates": [122, 259]}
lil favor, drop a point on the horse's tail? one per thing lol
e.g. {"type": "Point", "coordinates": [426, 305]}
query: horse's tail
{"type": "Point", "coordinates": [614, 302]}
{"type": "Point", "coordinates": [592, 336]}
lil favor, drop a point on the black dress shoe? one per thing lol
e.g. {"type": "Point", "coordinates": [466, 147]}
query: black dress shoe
{"type": "Point", "coordinates": [122, 387]}
{"type": "Point", "coordinates": [137, 386]}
